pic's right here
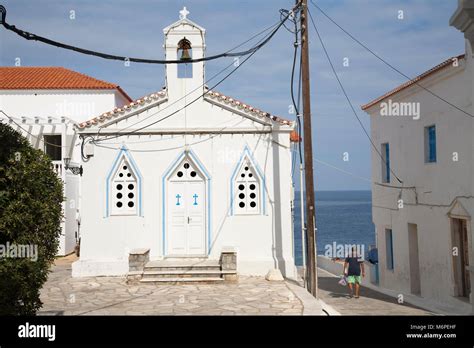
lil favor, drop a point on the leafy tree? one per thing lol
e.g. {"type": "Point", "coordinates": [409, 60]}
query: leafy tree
{"type": "Point", "coordinates": [31, 196]}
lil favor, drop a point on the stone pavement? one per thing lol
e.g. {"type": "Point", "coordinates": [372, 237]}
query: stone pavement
{"type": "Point", "coordinates": [64, 295]}
{"type": "Point", "coordinates": [371, 302]}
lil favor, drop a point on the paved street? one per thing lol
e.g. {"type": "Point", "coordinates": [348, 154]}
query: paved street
{"type": "Point", "coordinates": [370, 302]}
{"type": "Point", "coordinates": [64, 295]}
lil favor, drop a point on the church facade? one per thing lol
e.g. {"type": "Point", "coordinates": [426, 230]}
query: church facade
{"type": "Point", "coordinates": [186, 172]}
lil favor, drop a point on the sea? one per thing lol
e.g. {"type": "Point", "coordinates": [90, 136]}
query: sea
{"type": "Point", "coordinates": [343, 217]}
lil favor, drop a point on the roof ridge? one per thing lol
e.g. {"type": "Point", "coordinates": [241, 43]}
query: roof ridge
{"type": "Point", "coordinates": [162, 93]}
{"type": "Point", "coordinates": [245, 107]}
{"type": "Point", "coordinates": [121, 110]}
{"type": "Point", "coordinates": [51, 77]}
{"type": "Point", "coordinates": [413, 81]}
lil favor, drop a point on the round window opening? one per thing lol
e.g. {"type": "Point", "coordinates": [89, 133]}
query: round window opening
{"type": "Point", "coordinates": [241, 204]}
{"type": "Point", "coordinates": [130, 187]}
{"type": "Point", "coordinates": [131, 195]}
{"type": "Point", "coordinates": [119, 195]}
{"type": "Point", "coordinates": [119, 187]}
{"type": "Point", "coordinates": [180, 174]}
{"type": "Point", "coordinates": [131, 204]}
{"type": "Point", "coordinates": [246, 168]}
{"type": "Point", "coordinates": [120, 174]}
{"type": "Point", "coordinates": [193, 174]}
{"type": "Point", "coordinates": [253, 195]}
{"type": "Point", "coordinates": [242, 175]}
{"type": "Point", "coordinates": [129, 175]}
{"type": "Point", "coordinates": [186, 165]}
{"type": "Point", "coordinates": [119, 204]}
{"type": "Point", "coordinates": [241, 187]}
{"type": "Point", "coordinates": [124, 167]}
{"type": "Point", "coordinates": [241, 196]}
{"type": "Point", "coordinates": [252, 187]}
{"type": "Point", "coordinates": [253, 204]}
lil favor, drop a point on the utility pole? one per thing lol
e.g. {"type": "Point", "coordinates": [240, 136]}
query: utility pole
{"type": "Point", "coordinates": [308, 155]}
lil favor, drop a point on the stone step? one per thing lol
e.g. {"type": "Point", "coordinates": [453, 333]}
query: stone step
{"type": "Point", "coordinates": [181, 273]}
{"type": "Point", "coordinates": [182, 265]}
{"type": "Point", "coordinates": [185, 273]}
{"type": "Point", "coordinates": [182, 280]}
{"type": "Point", "coordinates": [182, 269]}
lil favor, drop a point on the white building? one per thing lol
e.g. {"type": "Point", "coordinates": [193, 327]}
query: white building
{"type": "Point", "coordinates": [424, 230]}
{"type": "Point", "coordinates": [213, 175]}
{"type": "Point", "coordinates": [44, 103]}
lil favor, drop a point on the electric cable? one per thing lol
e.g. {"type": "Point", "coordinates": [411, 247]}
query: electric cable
{"type": "Point", "coordinates": [197, 98]}
{"type": "Point", "coordinates": [390, 65]}
{"type": "Point", "coordinates": [30, 36]}
{"type": "Point", "coordinates": [336, 75]}
{"type": "Point", "coordinates": [194, 90]}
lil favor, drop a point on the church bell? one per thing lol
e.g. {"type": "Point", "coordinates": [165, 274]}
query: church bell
{"type": "Point", "coordinates": [185, 54]}
{"type": "Point", "coordinates": [184, 46]}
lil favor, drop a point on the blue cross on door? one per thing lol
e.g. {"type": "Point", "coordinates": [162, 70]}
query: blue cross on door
{"type": "Point", "coordinates": [178, 196]}
{"type": "Point", "coordinates": [195, 199]}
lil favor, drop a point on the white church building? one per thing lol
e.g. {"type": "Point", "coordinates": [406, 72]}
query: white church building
{"type": "Point", "coordinates": [186, 173]}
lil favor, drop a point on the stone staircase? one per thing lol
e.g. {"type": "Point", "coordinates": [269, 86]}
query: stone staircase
{"type": "Point", "coordinates": [182, 270]}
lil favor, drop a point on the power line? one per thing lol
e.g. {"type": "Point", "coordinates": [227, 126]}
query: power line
{"type": "Point", "coordinates": [390, 65]}
{"type": "Point", "coordinates": [347, 97]}
{"type": "Point", "coordinates": [178, 110]}
{"type": "Point", "coordinates": [194, 90]}
{"type": "Point", "coordinates": [30, 36]}
{"type": "Point", "coordinates": [210, 137]}
{"type": "Point", "coordinates": [295, 106]}
{"type": "Point", "coordinates": [342, 170]}
{"type": "Point", "coordinates": [200, 96]}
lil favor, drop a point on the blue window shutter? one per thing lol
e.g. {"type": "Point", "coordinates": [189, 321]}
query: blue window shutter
{"type": "Point", "coordinates": [432, 143]}
{"type": "Point", "coordinates": [389, 248]}
{"type": "Point", "coordinates": [387, 162]}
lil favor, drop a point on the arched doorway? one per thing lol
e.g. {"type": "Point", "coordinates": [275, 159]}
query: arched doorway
{"type": "Point", "coordinates": [186, 209]}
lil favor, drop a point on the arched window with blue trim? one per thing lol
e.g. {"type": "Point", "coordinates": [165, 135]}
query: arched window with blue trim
{"type": "Point", "coordinates": [124, 186]}
{"type": "Point", "coordinates": [247, 190]}
{"type": "Point", "coordinates": [247, 187]}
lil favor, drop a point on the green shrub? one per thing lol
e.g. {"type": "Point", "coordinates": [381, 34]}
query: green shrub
{"type": "Point", "coordinates": [30, 214]}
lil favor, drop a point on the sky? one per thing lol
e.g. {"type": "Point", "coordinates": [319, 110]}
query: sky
{"type": "Point", "coordinates": [414, 44]}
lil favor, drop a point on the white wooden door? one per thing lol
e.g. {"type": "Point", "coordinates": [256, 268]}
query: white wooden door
{"type": "Point", "coordinates": [186, 232]}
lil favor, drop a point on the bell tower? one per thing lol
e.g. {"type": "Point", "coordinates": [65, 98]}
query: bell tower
{"type": "Point", "coordinates": [184, 41]}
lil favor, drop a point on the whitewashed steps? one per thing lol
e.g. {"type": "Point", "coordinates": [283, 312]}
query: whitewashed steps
{"type": "Point", "coordinates": [190, 270]}
{"type": "Point", "coordinates": [182, 280]}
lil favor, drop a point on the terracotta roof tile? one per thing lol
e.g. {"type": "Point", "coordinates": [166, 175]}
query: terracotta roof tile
{"type": "Point", "coordinates": [51, 78]}
{"type": "Point", "coordinates": [244, 107]}
{"type": "Point", "coordinates": [106, 116]}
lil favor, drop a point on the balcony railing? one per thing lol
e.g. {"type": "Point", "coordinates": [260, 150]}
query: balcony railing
{"type": "Point", "coordinates": [58, 168]}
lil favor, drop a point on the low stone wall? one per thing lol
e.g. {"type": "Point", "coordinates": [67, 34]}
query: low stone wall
{"type": "Point", "coordinates": [137, 259]}
{"type": "Point", "coordinates": [228, 263]}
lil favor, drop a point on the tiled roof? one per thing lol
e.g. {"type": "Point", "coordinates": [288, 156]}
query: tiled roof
{"type": "Point", "coordinates": [238, 105]}
{"type": "Point", "coordinates": [417, 79]}
{"type": "Point", "coordinates": [51, 78]}
{"type": "Point", "coordinates": [213, 95]}
{"type": "Point", "coordinates": [106, 116]}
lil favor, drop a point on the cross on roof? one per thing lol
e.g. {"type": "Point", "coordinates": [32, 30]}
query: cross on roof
{"type": "Point", "coordinates": [183, 13]}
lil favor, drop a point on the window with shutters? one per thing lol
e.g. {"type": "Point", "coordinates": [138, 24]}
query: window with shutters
{"type": "Point", "coordinates": [430, 144]}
